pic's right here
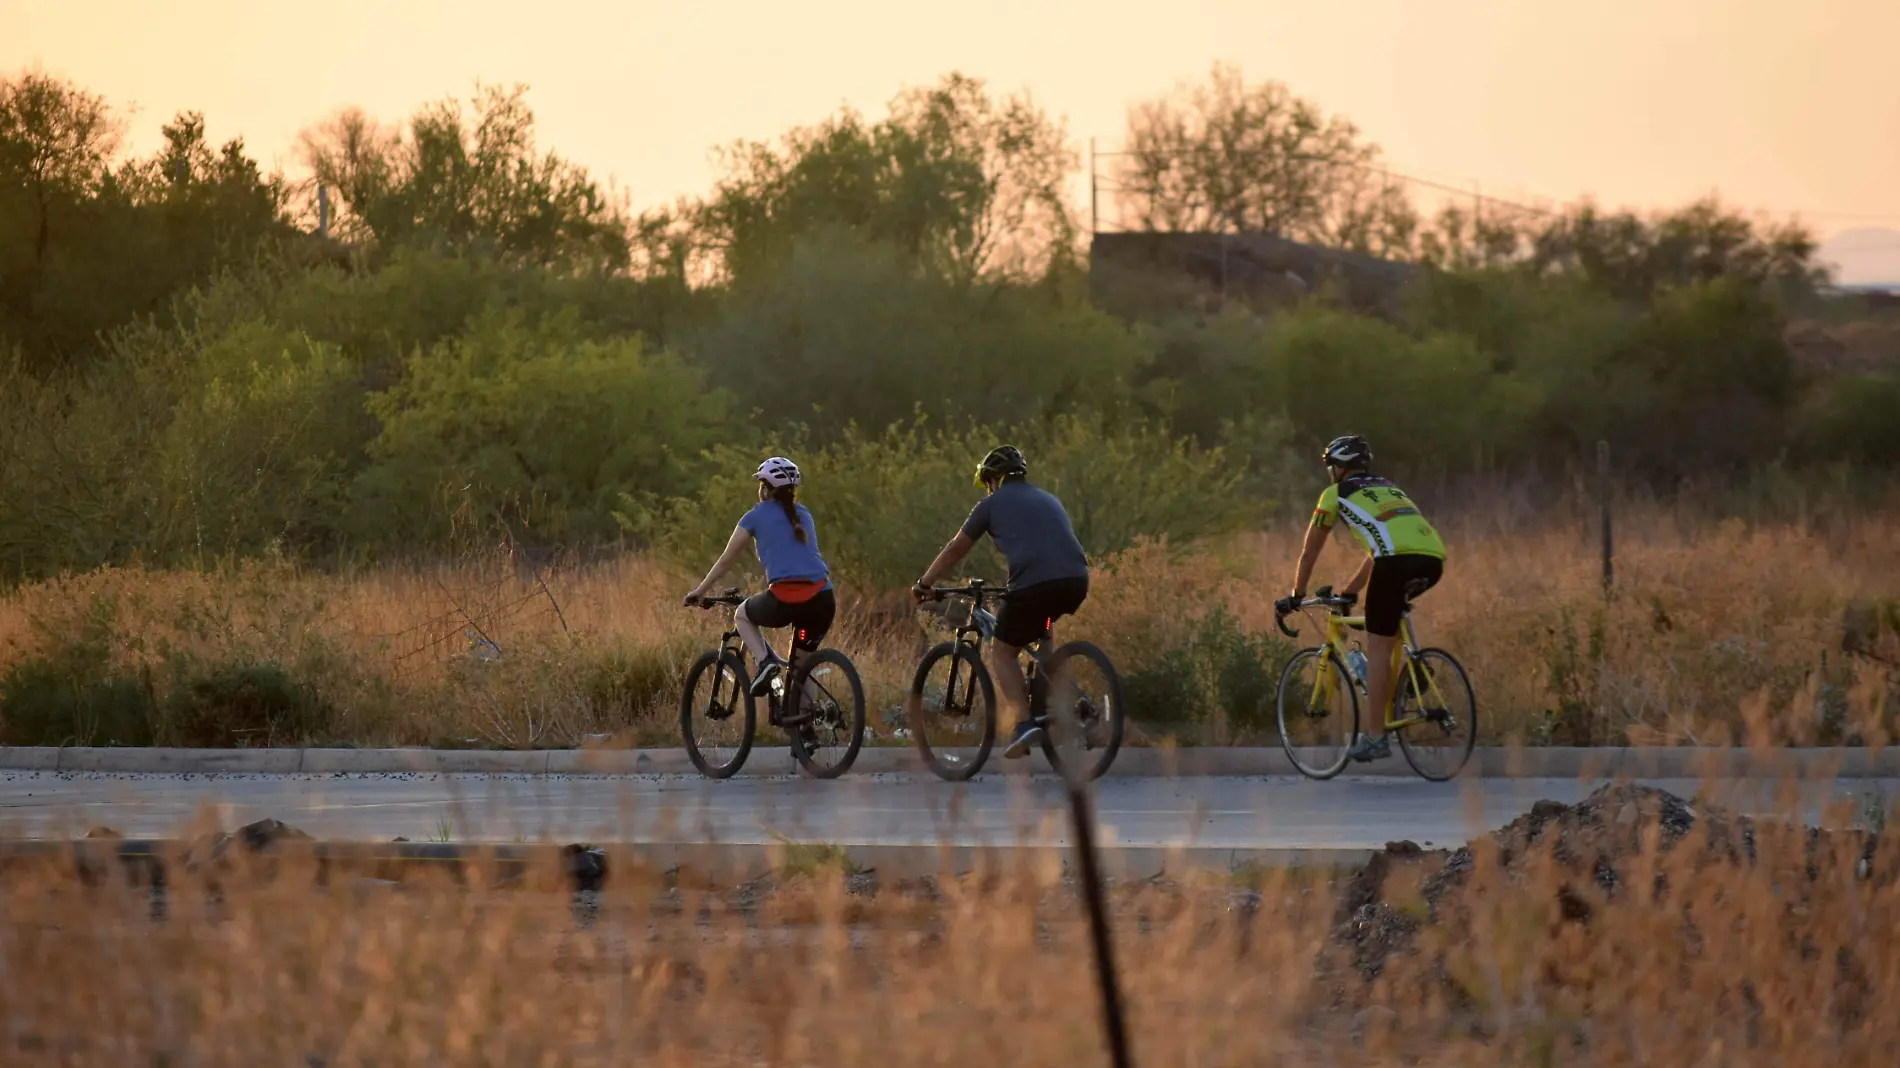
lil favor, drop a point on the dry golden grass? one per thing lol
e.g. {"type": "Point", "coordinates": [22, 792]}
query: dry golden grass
{"type": "Point", "coordinates": [1717, 630]}
{"type": "Point", "coordinates": [1695, 956]}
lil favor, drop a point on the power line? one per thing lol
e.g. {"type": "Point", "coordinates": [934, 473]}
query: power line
{"type": "Point", "coordinates": [1387, 173]}
{"type": "Point", "coordinates": [1475, 192]}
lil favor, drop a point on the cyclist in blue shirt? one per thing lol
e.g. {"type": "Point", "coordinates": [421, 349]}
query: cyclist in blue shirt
{"type": "Point", "coordinates": [798, 583]}
{"type": "Point", "coordinates": [1048, 575]}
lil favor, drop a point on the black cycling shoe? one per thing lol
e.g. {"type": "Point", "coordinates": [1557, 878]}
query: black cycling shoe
{"type": "Point", "coordinates": [768, 671]}
{"type": "Point", "coordinates": [1028, 735]}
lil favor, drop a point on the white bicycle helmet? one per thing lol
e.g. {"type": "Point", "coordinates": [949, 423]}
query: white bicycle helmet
{"type": "Point", "coordinates": [778, 472]}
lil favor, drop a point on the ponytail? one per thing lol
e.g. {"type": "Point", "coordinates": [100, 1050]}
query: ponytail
{"type": "Point", "coordinates": [785, 495]}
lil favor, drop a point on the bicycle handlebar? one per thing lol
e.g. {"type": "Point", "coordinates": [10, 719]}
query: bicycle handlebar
{"type": "Point", "coordinates": [732, 597]}
{"type": "Point", "coordinates": [1321, 598]}
{"type": "Point", "coordinates": [978, 590]}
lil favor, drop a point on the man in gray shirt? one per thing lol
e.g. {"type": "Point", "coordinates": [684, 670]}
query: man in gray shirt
{"type": "Point", "coordinates": [1048, 574]}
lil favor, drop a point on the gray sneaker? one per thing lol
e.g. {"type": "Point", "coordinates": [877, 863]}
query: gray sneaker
{"type": "Point", "coordinates": [1367, 749]}
{"type": "Point", "coordinates": [1028, 735]}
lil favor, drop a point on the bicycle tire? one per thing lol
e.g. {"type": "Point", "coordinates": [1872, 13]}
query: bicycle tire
{"type": "Point", "coordinates": [1412, 757]}
{"type": "Point", "coordinates": [1342, 684]}
{"type": "Point", "coordinates": [1114, 720]}
{"type": "Point", "coordinates": [737, 702]}
{"type": "Point", "coordinates": [918, 718]}
{"type": "Point", "coordinates": [803, 751]}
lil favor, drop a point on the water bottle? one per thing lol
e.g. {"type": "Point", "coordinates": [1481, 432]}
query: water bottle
{"type": "Point", "coordinates": [1356, 663]}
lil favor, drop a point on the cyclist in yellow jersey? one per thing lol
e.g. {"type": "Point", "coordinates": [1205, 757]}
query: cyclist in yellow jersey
{"type": "Point", "coordinates": [1404, 558]}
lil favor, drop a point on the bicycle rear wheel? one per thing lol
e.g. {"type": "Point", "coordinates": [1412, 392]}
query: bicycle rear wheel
{"type": "Point", "coordinates": [827, 688]}
{"type": "Point", "coordinates": [717, 717]}
{"type": "Point", "coordinates": [1433, 685]}
{"type": "Point", "coordinates": [952, 711]}
{"type": "Point", "coordinates": [1085, 712]}
{"type": "Point", "coordinates": [1318, 710]}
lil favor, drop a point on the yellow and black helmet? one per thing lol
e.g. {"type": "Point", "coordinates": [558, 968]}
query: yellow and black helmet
{"type": "Point", "coordinates": [1002, 462]}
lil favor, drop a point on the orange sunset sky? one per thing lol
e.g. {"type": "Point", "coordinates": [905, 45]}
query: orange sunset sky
{"type": "Point", "coordinates": [1781, 107]}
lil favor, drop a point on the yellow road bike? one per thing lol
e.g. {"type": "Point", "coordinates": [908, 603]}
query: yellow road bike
{"type": "Point", "coordinates": [1434, 715]}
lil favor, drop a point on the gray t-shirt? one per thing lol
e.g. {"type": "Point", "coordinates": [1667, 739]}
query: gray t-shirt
{"type": "Point", "coordinates": [1033, 532]}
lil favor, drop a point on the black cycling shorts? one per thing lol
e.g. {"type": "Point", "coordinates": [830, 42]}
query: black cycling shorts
{"type": "Point", "coordinates": [812, 618]}
{"type": "Point", "coordinates": [1028, 613]}
{"type": "Point", "coordinates": [1395, 582]}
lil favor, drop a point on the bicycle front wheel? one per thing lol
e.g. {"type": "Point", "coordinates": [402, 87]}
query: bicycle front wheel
{"type": "Point", "coordinates": [1318, 713]}
{"type": "Point", "coordinates": [952, 711]}
{"type": "Point", "coordinates": [827, 688]}
{"type": "Point", "coordinates": [1085, 713]}
{"type": "Point", "coordinates": [1433, 688]}
{"type": "Point", "coordinates": [717, 718]}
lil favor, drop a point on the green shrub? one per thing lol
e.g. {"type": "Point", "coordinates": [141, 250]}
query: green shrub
{"type": "Point", "coordinates": [842, 333]}
{"type": "Point", "coordinates": [70, 692]}
{"type": "Point", "coordinates": [1855, 419]}
{"type": "Point", "coordinates": [535, 424]}
{"type": "Point", "coordinates": [625, 684]}
{"type": "Point", "coordinates": [1219, 671]}
{"type": "Point", "coordinates": [267, 428]}
{"type": "Point", "coordinates": [248, 706]}
{"type": "Point", "coordinates": [885, 503]}
{"type": "Point", "coordinates": [46, 701]}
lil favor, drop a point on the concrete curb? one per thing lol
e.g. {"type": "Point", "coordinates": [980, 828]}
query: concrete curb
{"type": "Point", "coordinates": [1540, 763]}
{"type": "Point", "coordinates": [704, 862]}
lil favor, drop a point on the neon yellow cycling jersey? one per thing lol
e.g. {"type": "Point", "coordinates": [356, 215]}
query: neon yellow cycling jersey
{"type": "Point", "coordinates": [1380, 516]}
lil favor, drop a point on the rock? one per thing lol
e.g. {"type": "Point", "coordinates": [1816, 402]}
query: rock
{"type": "Point", "coordinates": [265, 833]}
{"type": "Point", "coordinates": [586, 866]}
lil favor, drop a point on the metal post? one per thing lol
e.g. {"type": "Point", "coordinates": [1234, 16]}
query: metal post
{"type": "Point", "coordinates": [1093, 221]}
{"type": "Point", "coordinates": [1093, 893]}
{"type": "Point", "coordinates": [323, 211]}
{"type": "Point", "coordinates": [1603, 501]}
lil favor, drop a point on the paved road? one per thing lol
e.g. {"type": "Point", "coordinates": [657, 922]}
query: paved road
{"type": "Point", "coordinates": [888, 810]}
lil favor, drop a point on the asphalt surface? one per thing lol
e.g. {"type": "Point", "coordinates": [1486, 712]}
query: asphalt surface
{"type": "Point", "coordinates": [884, 810]}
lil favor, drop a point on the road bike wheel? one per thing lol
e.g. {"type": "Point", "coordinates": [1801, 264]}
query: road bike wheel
{"type": "Point", "coordinates": [826, 687]}
{"type": "Point", "coordinates": [1085, 711]}
{"type": "Point", "coordinates": [952, 711]}
{"type": "Point", "coordinates": [1317, 737]}
{"type": "Point", "coordinates": [1438, 748]}
{"type": "Point", "coordinates": [717, 717]}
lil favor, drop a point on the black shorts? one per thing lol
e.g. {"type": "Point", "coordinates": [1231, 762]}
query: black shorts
{"type": "Point", "coordinates": [1395, 582]}
{"type": "Point", "coordinates": [1028, 613]}
{"type": "Point", "coordinates": [812, 618]}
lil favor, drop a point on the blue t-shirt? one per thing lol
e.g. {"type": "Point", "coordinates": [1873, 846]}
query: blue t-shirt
{"type": "Point", "coordinates": [1032, 530]}
{"type": "Point", "coordinates": [780, 551]}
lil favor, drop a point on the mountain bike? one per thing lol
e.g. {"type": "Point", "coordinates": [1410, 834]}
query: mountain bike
{"type": "Point", "coordinates": [1434, 713]}
{"type": "Point", "coordinates": [820, 707]}
{"type": "Point", "coordinates": [953, 698]}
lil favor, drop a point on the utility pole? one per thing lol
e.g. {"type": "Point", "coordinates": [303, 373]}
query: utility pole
{"type": "Point", "coordinates": [323, 211]}
{"type": "Point", "coordinates": [1092, 208]}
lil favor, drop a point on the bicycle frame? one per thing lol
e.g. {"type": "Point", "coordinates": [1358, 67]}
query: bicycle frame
{"type": "Point", "coordinates": [1404, 657]}
{"type": "Point", "coordinates": [733, 642]}
{"type": "Point", "coordinates": [982, 628]}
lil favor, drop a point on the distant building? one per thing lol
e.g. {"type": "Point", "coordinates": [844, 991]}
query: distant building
{"type": "Point", "coordinates": [1211, 270]}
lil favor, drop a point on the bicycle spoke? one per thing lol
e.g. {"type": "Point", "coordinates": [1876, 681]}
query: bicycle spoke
{"type": "Point", "coordinates": [1436, 695]}
{"type": "Point", "coordinates": [1318, 713]}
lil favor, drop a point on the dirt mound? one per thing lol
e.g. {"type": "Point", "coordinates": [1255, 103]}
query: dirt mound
{"type": "Point", "coordinates": [1568, 901]}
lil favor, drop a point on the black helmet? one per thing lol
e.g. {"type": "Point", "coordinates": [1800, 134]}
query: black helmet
{"type": "Point", "coordinates": [1349, 451]}
{"type": "Point", "coordinates": [1002, 462]}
